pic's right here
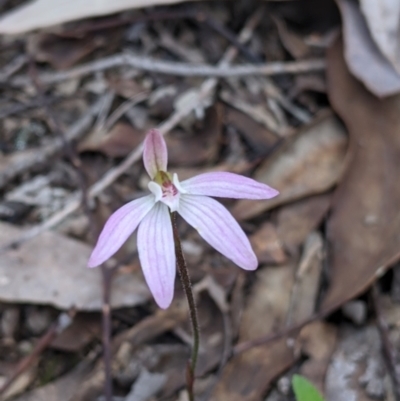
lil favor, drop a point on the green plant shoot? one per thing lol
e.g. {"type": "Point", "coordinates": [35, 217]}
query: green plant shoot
{"type": "Point", "coordinates": [304, 390]}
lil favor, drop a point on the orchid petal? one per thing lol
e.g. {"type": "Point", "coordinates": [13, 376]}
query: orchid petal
{"type": "Point", "coordinates": [217, 226]}
{"type": "Point", "coordinates": [118, 228]}
{"type": "Point", "coordinates": [228, 185]}
{"type": "Point", "coordinates": [157, 254]}
{"type": "Point", "coordinates": [155, 154]}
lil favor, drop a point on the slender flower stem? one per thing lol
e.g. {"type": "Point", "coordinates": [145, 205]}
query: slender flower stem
{"type": "Point", "coordinates": [187, 286]}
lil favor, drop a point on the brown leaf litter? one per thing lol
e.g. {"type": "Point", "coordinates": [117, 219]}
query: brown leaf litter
{"type": "Point", "coordinates": [332, 232]}
{"type": "Point", "coordinates": [363, 228]}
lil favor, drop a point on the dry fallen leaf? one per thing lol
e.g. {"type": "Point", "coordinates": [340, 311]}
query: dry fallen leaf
{"type": "Point", "coordinates": [364, 226]}
{"type": "Point", "coordinates": [309, 164]}
{"type": "Point", "coordinates": [296, 220]}
{"type": "Point", "coordinates": [363, 57]}
{"type": "Point", "coordinates": [45, 13]}
{"type": "Point", "coordinates": [51, 269]}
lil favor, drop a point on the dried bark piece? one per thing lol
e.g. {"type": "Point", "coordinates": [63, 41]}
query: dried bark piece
{"type": "Point", "coordinates": [364, 226]}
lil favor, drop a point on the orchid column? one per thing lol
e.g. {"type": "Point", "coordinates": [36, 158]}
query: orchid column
{"type": "Point", "coordinates": [158, 240]}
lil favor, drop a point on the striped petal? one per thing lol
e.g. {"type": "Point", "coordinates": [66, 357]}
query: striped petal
{"type": "Point", "coordinates": [155, 154]}
{"type": "Point", "coordinates": [118, 228]}
{"type": "Point", "coordinates": [217, 226]}
{"type": "Point", "coordinates": [157, 254]}
{"type": "Point", "coordinates": [228, 185]}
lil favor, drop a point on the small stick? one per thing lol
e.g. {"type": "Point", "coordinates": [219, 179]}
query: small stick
{"type": "Point", "coordinates": [149, 64]}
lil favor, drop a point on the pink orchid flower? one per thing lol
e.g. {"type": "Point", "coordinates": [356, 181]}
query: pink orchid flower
{"type": "Point", "coordinates": [191, 199]}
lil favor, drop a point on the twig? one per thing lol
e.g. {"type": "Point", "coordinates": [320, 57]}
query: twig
{"type": "Point", "coordinates": [387, 345]}
{"type": "Point", "coordinates": [175, 68]}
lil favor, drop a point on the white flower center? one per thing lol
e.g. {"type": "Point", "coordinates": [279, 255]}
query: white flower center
{"type": "Point", "coordinates": [168, 192]}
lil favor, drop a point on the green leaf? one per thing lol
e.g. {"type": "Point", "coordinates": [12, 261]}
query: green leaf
{"type": "Point", "coordinates": [304, 390]}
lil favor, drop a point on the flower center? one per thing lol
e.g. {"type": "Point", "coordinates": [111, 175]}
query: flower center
{"type": "Point", "coordinates": [164, 179]}
{"type": "Point", "coordinates": [166, 189]}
